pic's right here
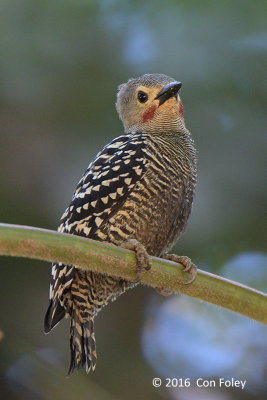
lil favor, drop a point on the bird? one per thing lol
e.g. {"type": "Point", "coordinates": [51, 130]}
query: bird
{"type": "Point", "coordinates": [137, 193]}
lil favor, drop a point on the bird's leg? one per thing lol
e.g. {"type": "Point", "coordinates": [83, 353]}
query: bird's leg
{"type": "Point", "coordinates": [189, 266]}
{"type": "Point", "coordinates": [142, 257]}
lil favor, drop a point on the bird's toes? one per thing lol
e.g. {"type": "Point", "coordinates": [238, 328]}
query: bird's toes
{"type": "Point", "coordinates": [189, 266]}
{"type": "Point", "coordinates": [142, 257]}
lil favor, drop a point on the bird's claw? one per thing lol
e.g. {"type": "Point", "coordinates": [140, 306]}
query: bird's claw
{"type": "Point", "coordinates": [142, 257]}
{"type": "Point", "coordinates": [189, 266]}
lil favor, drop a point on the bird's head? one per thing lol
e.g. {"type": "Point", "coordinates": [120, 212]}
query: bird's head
{"type": "Point", "coordinates": [150, 103]}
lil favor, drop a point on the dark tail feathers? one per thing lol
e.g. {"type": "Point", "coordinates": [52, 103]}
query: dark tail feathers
{"type": "Point", "coordinates": [53, 316]}
{"type": "Point", "coordinates": [82, 344]}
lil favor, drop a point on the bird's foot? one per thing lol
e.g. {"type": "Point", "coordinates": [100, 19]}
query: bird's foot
{"type": "Point", "coordinates": [142, 257]}
{"type": "Point", "coordinates": [189, 266]}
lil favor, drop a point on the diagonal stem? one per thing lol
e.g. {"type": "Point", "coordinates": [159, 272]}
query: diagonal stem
{"type": "Point", "coordinates": [47, 245]}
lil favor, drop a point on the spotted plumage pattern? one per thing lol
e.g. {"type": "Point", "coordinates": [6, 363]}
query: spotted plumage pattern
{"type": "Point", "coordinates": [140, 186]}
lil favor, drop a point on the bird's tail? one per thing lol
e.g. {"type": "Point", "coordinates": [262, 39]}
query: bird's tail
{"type": "Point", "coordinates": [54, 315]}
{"type": "Point", "coordinates": [82, 343]}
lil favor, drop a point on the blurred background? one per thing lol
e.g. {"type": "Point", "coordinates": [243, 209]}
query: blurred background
{"type": "Point", "coordinates": [60, 65]}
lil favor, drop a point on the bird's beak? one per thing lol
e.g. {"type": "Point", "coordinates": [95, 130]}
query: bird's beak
{"type": "Point", "coordinates": [170, 90]}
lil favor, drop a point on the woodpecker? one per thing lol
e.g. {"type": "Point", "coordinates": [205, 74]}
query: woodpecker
{"type": "Point", "coordinates": [136, 193]}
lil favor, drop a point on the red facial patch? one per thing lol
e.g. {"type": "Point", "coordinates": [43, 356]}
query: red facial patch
{"type": "Point", "coordinates": [181, 109]}
{"type": "Point", "coordinates": [149, 114]}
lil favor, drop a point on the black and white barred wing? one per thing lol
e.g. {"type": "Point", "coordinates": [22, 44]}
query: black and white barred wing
{"type": "Point", "coordinates": [102, 190]}
{"type": "Point", "coordinates": [105, 186]}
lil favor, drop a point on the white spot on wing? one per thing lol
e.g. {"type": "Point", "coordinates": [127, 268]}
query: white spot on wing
{"type": "Point", "coordinates": [86, 230]}
{"type": "Point", "coordinates": [96, 188]}
{"type": "Point", "coordinates": [104, 199]}
{"type": "Point", "coordinates": [128, 181]}
{"type": "Point", "coordinates": [106, 182]}
{"type": "Point", "coordinates": [98, 221]}
{"type": "Point", "coordinates": [113, 195]}
{"type": "Point", "coordinates": [138, 170]}
{"type": "Point", "coordinates": [104, 173]}
{"type": "Point", "coordinates": [115, 145]}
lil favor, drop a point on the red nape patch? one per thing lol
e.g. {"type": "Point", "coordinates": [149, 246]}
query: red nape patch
{"type": "Point", "coordinates": [149, 113]}
{"type": "Point", "coordinates": [181, 109]}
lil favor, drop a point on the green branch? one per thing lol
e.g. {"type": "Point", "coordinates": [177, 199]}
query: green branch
{"type": "Point", "coordinates": [42, 244]}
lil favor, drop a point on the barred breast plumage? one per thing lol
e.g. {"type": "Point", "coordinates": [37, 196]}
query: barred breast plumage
{"type": "Point", "coordinates": [140, 186]}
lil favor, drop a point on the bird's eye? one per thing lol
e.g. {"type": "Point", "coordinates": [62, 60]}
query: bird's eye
{"type": "Point", "coordinates": [142, 96]}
